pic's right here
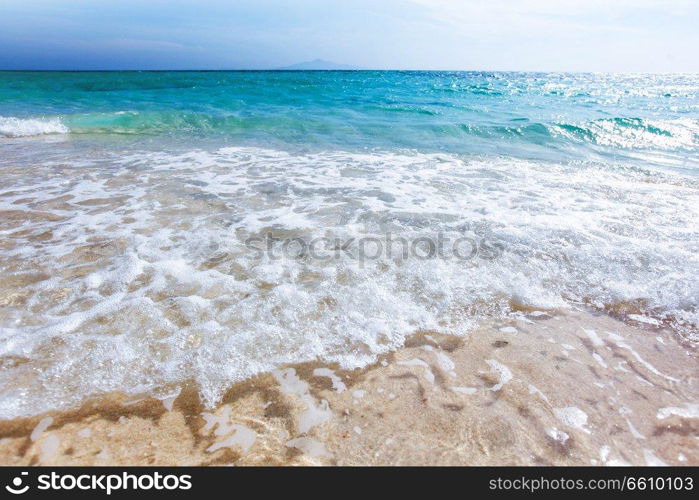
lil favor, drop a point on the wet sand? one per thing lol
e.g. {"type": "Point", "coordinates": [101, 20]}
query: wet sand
{"type": "Point", "coordinates": [552, 388]}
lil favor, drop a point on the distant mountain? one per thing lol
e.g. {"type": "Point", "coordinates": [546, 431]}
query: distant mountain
{"type": "Point", "coordinates": [317, 64]}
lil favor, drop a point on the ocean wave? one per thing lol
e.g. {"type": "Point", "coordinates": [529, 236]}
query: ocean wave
{"type": "Point", "coordinates": [620, 132]}
{"type": "Point", "coordinates": [26, 127]}
{"type": "Point", "coordinates": [623, 133]}
{"type": "Point", "coordinates": [415, 126]}
{"type": "Point", "coordinates": [165, 288]}
{"type": "Point", "coordinates": [633, 133]}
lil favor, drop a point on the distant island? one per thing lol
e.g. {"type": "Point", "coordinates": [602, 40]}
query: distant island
{"type": "Point", "coordinates": [318, 64]}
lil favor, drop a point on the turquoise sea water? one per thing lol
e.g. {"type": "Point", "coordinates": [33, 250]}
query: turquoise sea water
{"type": "Point", "coordinates": [555, 116]}
{"type": "Point", "coordinates": [128, 201]}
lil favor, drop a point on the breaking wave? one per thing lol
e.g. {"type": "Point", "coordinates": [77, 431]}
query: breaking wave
{"type": "Point", "coordinates": [27, 127]}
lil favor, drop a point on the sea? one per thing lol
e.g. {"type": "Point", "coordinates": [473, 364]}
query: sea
{"type": "Point", "coordinates": [163, 228]}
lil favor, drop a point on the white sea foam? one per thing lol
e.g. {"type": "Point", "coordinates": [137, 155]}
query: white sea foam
{"type": "Point", "coordinates": [690, 410]}
{"type": "Point", "coordinates": [130, 272]}
{"type": "Point", "coordinates": [503, 372]}
{"type": "Point", "coordinates": [429, 376]}
{"type": "Point", "coordinates": [652, 459]}
{"type": "Point", "coordinates": [464, 390]}
{"type": "Point", "coordinates": [26, 127]}
{"type": "Point", "coordinates": [311, 447]}
{"type": "Point", "coordinates": [635, 133]}
{"type": "Point", "coordinates": [573, 417]}
{"type": "Point", "coordinates": [336, 381]}
{"type": "Point", "coordinates": [44, 424]}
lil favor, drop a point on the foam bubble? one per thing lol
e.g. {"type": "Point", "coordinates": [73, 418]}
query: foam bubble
{"type": "Point", "coordinates": [503, 372]}
{"type": "Point", "coordinates": [311, 447]}
{"type": "Point", "coordinates": [573, 417]}
{"type": "Point", "coordinates": [690, 410]}
{"type": "Point", "coordinates": [26, 127]}
{"type": "Point", "coordinates": [44, 424]}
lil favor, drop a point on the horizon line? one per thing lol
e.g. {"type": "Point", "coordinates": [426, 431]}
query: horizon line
{"type": "Point", "coordinates": [357, 70]}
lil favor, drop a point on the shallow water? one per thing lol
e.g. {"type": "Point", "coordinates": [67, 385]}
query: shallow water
{"type": "Point", "coordinates": [162, 227]}
{"type": "Point", "coordinates": [550, 388]}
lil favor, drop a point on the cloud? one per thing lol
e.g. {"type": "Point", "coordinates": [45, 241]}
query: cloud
{"type": "Point", "coordinates": [554, 16]}
{"type": "Point", "coordinates": [557, 35]}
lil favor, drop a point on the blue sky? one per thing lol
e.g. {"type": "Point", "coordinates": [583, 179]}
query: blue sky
{"type": "Point", "coordinates": [546, 35]}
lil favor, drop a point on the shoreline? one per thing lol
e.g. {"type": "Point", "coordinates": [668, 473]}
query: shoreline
{"type": "Point", "coordinates": [553, 388]}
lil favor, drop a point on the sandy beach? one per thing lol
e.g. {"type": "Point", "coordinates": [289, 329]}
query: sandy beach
{"type": "Point", "coordinates": [553, 388]}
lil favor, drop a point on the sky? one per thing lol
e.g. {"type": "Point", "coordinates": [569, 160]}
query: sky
{"type": "Point", "coordinates": [517, 35]}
